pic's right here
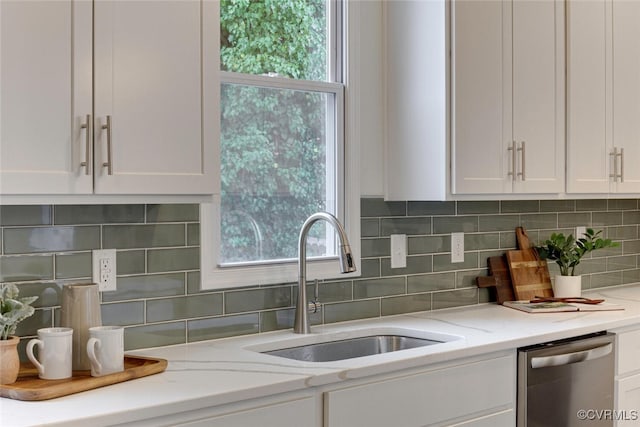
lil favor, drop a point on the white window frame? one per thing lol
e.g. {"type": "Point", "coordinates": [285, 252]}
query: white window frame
{"type": "Point", "coordinates": [214, 276]}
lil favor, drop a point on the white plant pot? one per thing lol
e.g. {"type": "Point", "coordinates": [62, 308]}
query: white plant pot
{"type": "Point", "coordinates": [567, 286]}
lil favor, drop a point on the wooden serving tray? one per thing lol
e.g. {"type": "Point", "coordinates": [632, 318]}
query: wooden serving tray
{"type": "Point", "coordinates": [30, 387]}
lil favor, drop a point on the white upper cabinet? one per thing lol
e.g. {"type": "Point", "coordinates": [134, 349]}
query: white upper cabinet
{"type": "Point", "coordinates": [588, 127]}
{"type": "Point", "coordinates": [45, 96]}
{"type": "Point", "coordinates": [146, 87]}
{"type": "Point", "coordinates": [626, 93]}
{"type": "Point", "coordinates": [603, 96]}
{"type": "Point", "coordinates": [416, 160]}
{"type": "Point", "coordinates": [507, 96]}
{"type": "Point", "coordinates": [149, 81]}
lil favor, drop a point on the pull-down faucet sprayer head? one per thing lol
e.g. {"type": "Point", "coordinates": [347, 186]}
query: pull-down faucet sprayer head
{"type": "Point", "coordinates": [346, 259]}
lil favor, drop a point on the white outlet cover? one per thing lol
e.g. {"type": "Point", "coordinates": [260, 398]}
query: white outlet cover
{"type": "Point", "coordinates": [398, 250]}
{"type": "Point", "coordinates": [99, 257]}
{"type": "Point", "coordinates": [457, 247]}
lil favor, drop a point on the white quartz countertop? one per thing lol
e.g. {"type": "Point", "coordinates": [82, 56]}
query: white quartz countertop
{"type": "Point", "coordinates": [217, 372]}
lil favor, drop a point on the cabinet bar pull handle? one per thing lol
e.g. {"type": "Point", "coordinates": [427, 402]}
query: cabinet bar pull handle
{"type": "Point", "coordinates": [87, 149]}
{"type": "Point", "coordinates": [512, 172]}
{"type": "Point", "coordinates": [622, 165]}
{"type": "Point", "coordinates": [522, 160]}
{"type": "Point", "coordinates": [109, 163]}
{"type": "Point", "coordinates": [614, 154]}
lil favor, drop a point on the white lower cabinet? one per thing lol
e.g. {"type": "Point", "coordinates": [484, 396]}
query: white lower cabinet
{"type": "Point", "coordinates": [628, 401]}
{"type": "Point", "coordinates": [627, 382]}
{"type": "Point", "coordinates": [473, 392]}
{"type": "Point", "coordinates": [298, 409]}
{"type": "Point", "coordinates": [503, 418]}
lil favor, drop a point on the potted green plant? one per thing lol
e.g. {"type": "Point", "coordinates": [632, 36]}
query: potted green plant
{"type": "Point", "coordinates": [13, 310]}
{"type": "Point", "coordinates": [567, 252]}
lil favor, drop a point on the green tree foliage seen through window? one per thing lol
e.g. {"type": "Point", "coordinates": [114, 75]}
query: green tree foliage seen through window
{"type": "Point", "coordinates": [274, 141]}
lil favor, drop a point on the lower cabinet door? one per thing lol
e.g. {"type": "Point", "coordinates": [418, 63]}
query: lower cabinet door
{"type": "Point", "coordinates": [627, 401]}
{"type": "Point", "coordinates": [276, 411]}
{"type": "Point", "coordinates": [499, 419]}
{"type": "Point", "coordinates": [454, 394]}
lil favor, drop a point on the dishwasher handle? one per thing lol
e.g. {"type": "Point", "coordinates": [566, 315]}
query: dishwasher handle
{"type": "Point", "coordinates": [568, 358]}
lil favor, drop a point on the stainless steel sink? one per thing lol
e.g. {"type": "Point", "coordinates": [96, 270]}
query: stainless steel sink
{"type": "Point", "coordinates": [351, 348]}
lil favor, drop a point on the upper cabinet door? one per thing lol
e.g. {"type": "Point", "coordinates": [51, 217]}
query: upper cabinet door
{"type": "Point", "coordinates": [626, 93]}
{"type": "Point", "coordinates": [538, 95]}
{"type": "Point", "coordinates": [508, 97]}
{"type": "Point", "coordinates": [152, 83]}
{"type": "Point", "coordinates": [589, 136]}
{"type": "Point", "coordinates": [603, 110]}
{"type": "Point", "coordinates": [481, 97]}
{"type": "Point", "coordinates": [45, 97]}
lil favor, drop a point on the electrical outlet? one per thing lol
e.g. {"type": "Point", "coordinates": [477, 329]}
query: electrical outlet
{"type": "Point", "coordinates": [457, 247]}
{"type": "Point", "coordinates": [398, 250]}
{"type": "Point", "coordinates": [580, 232]}
{"type": "Point", "coordinates": [104, 269]}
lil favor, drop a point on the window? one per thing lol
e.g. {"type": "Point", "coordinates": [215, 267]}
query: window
{"type": "Point", "coordinates": [282, 143]}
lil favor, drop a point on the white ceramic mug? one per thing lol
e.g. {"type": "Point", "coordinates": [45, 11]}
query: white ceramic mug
{"type": "Point", "coordinates": [105, 349]}
{"type": "Point", "coordinates": [54, 348]}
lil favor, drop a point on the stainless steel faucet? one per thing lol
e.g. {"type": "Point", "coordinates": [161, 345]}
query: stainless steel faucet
{"type": "Point", "coordinates": [347, 265]}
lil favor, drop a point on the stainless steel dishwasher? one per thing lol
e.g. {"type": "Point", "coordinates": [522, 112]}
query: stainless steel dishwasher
{"type": "Point", "coordinates": [567, 383]}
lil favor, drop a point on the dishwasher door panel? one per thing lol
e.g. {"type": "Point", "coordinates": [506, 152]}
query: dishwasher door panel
{"type": "Point", "coordinates": [572, 376]}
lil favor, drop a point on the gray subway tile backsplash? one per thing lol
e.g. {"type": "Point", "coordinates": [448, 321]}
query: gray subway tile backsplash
{"type": "Point", "coordinates": [415, 264]}
{"type": "Point", "coordinates": [164, 309]}
{"type": "Point", "coordinates": [431, 282]}
{"type": "Point", "coordinates": [155, 335]}
{"type": "Point", "coordinates": [431, 208]}
{"type": "Point", "coordinates": [174, 259]}
{"type": "Point", "coordinates": [123, 313]}
{"type": "Point", "coordinates": [26, 215]}
{"type": "Point", "coordinates": [98, 214]}
{"type": "Point", "coordinates": [372, 288]}
{"type": "Point", "coordinates": [222, 327]}
{"type": "Point", "coordinates": [23, 268]}
{"type": "Point", "coordinates": [405, 304]}
{"type": "Point", "coordinates": [143, 236]}
{"type": "Point", "coordinates": [147, 286]}
{"type": "Point", "coordinates": [457, 224]}
{"type": "Point", "coordinates": [160, 302]}
{"type": "Point", "coordinates": [557, 205]}
{"type": "Point", "coordinates": [173, 213]}
{"type": "Point", "coordinates": [26, 240]}
{"type": "Point", "coordinates": [518, 206]}
{"type": "Point", "coordinates": [257, 299]}
{"type": "Point", "coordinates": [481, 207]}
{"type": "Point", "coordinates": [73, 265]}
{"type": "Point", "coordinates": [352, 310]}
{"type": "Point", "coordinates": [622, 204]}
{"type": "Point", "coordinates": [333, 291]}
{"type": "Point", "coordinates": [408, 225]}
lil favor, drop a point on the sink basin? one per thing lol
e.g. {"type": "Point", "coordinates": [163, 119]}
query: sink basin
{"type": "Point", "coordinates": [351, 348]}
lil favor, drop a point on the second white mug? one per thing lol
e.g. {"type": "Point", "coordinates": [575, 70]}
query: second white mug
{"type": "Point", "coordinates": [105, 349]}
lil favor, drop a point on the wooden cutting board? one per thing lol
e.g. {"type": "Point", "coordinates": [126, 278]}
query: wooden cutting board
{"type": "Point", "coordinates": [30, 387]}
{"type": "Point", "coordinates": [529, 274]}
{"type": "Point", "coordinates": [499, 277]}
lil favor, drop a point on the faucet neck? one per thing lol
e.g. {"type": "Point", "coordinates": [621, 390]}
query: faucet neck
{"type": "Point", "coordinates": [301, 323]}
